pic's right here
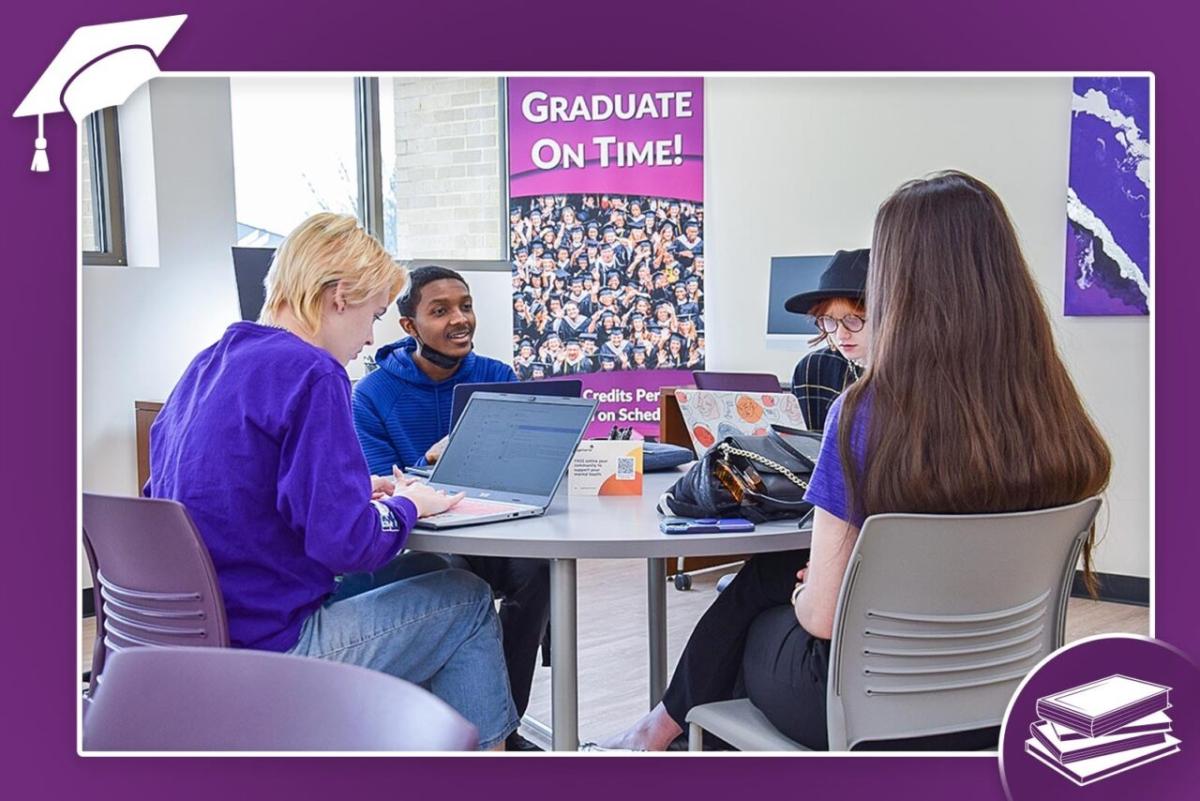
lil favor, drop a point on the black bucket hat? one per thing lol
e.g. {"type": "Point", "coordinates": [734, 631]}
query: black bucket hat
{"type": "Point", "coordinates": [845, 277]}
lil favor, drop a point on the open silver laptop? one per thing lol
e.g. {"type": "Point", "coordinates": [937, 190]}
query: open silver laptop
{"type": "Point", "coordinates": [508, 454]}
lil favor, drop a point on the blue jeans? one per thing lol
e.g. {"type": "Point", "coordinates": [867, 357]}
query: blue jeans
{"type": "Point", "coordinates": [429, 625]}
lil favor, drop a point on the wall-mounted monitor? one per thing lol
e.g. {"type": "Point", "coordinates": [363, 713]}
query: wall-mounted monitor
{"type": "Point", "coordinates": [791, 275]}
{"type": "Point", "coordinates": [250, 267]}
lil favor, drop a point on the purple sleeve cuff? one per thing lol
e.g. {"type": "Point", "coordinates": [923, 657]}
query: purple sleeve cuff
{"type": "Point", "coordinates": [406, 515]}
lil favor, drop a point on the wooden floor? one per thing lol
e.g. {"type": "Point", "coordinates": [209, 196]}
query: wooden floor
{"type": "Point", "coordinates": [613, 652]}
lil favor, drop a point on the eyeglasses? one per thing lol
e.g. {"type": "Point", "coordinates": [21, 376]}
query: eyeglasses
{"type": "Point", "coordinates": [852, 322]}
{"type": "Point", "coordinates": [743, 483]}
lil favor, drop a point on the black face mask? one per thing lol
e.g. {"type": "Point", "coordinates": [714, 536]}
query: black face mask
{"type": "Point", "coordinates": [436, 357]}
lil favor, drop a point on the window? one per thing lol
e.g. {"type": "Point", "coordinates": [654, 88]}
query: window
{"type": "Point", "coordinates": [442, 157]}
{"type": "Point", "coordinates": [294, 153]}
{"type": "Point", "coordinates": [419, 161]}
{"type": "Point", "coordinates": [103, 210]}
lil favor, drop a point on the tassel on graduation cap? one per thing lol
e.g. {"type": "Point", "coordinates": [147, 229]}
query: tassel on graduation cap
{"type": "Point", "coordinates": [98, 67]}
{"type": "Point", "coordinates": [41, 162]}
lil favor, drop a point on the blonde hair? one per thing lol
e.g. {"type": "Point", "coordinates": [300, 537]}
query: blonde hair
{"type": "Point", "coordinates": [322, 252]}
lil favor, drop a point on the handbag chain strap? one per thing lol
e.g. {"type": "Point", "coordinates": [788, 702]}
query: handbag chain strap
{"type": "Point", "coordinates": [727, 449]}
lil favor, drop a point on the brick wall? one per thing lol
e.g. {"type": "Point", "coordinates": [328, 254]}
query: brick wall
{"type": "Point", "coordinates": [447, 177]}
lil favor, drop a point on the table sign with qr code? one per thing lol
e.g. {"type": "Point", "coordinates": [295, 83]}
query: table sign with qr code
{"type": "Point", "coordinates": [606, 467]}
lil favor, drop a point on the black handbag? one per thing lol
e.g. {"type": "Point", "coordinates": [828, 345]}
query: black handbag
{"type": "Point", "coordinates": [759, 478]}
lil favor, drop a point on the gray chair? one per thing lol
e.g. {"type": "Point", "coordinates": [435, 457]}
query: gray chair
{"type": "Point", "coordinates": [231, 699]}
{"type": "Point", "coordinates": [153, 581]}
{"type": "Point", "coordinates": [938, 619]}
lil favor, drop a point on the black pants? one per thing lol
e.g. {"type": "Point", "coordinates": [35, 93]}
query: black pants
{"type": "Point", "coordinates": [750, 645]}
{"type": "Point", "coordinates": [522, 585]}
{"type": "Point", "coordinates": [711, 667]}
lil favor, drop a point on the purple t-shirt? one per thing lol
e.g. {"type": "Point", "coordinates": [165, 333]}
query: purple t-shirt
{"type": "Point", "coordinates": [827, 487]}
{"type": "Point", "coordinates": [257, 441]}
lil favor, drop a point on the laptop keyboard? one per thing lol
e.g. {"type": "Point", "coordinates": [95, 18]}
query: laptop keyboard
{"type": "Point", "coordinates": [474, 506]}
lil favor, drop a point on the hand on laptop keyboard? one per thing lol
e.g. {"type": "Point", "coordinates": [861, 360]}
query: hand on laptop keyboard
{"type": "Point", "coordinates": [428, 500]}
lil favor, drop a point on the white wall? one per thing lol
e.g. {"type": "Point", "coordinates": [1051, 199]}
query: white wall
{"type": "Point", "coordinates": [143, 324]}
{"type": "Point", "coordinates": [794, 166]}
{"type": "Point", "coordinates": [798, 166]}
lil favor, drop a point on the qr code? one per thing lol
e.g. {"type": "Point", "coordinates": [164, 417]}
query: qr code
{"type": "Point", "coordinates": [626, 469]}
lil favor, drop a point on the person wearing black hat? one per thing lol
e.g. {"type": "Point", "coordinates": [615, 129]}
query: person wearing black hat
{"type": "Point", "coordinates": [664, 245]}
{"type": "Point", "coordinates": [522, 316]}
{"type": "Point", "coordinates": [567, 221]}
{"type": "Point", "coordinates": [664, 315]}
{"type": "Point", "coordinates": [838, 309]}
{"type": "Point", "coordinates": [617, 345]}
{"type": "Point", "coordinates": [626, 299]}
{"type": "Point", "coordinates": [644, 278]}
{"type": "Point", "coordinates": [682, 304]}
{"type": "Point", "coordinates": [581, 296]}
{"type": "Point", "coordinates": [638, 359]}
{"type": "Point", "coordinates": [518, 229]}
{"type": "Point", "coordinates": [520, 261]}
{"type": "Point", "coordinates": [606, 325]}
{"type": "Point", "coordinates": [690, 245]}
{"type": "Point", "coordinates": [523, 359]}
{"type": "Point", "coordinates": [562, 256]}
{"type": "Point", "coordinates": [635, 217]}
{"type": "Point", "coordinates": [587, 209]}
{"type": "Point", "coordinates": [671, 352]}
{"type": "Point", "coordinates": [671, 267]}
{"type": "Point", "coordinates": [643, 256]}
{"type": "Point", "coordinates": [673, 212]}
{"type": "Point", "coordinates": [609, 236]}
{"type": "Point", "coordinates": [572, 360]}
{"type": "Point", "coordinates": [537, 331]}
{"type": "Point", "coordinates": [662, 290]}
{"type": "Point", "coordinates": [573, 323]}
{"type": "Point", "coordinates": [550, 349]}
{"type": "Point", "coordinates": [637, 328]}
{"type": "Point", "coordinates": [589, 342]}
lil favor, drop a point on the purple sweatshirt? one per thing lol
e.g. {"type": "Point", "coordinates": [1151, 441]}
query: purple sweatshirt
{"type": "Point", "coordinates": [257, 441]}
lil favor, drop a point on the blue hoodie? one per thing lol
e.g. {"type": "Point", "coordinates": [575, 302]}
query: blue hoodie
{"type": "Point", "coordinates": [399, 412]}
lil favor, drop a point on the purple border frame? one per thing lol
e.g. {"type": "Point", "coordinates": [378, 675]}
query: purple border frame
{"type": "Point", "coordinates": [39, 414]}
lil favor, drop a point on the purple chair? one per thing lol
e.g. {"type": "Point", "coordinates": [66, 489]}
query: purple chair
{"type": "Point", "coordinates": [736, 382]}
{"type": "Point", "coordinates": [231, 699]}
{"type": "Point", "coordinates": [153, 582]}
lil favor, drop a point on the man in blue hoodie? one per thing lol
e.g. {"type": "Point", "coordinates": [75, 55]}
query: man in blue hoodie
{"type": "Point", "coordinates": [402, 415]}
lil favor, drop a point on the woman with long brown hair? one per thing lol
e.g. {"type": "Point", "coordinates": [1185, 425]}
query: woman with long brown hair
{"type": "Point", "coordinates": [964, 407]}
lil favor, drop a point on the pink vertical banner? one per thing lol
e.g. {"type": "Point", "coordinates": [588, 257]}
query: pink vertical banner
{"type": "Point", "coordinates": [606, 180]}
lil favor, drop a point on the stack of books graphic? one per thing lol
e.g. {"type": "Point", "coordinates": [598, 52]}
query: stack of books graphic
{"type": "Point", "coordinates": [1095, 731]}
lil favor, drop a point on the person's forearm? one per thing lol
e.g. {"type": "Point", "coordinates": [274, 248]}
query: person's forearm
{"type": "Point", "coordinates": [809, 620]}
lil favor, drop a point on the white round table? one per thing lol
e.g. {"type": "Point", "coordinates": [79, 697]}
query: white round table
{"type": "Point", "coordinates": [608, 527]}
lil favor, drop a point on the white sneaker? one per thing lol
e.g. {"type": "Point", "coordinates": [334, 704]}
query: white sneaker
{"type": "Point", "coordinates": [596, 748]}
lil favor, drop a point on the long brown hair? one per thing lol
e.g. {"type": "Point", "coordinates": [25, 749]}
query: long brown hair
{"type": "Point", "coordinates": [971, 409]}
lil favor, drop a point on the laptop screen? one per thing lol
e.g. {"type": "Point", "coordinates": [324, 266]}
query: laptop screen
{"type": "Point", "coordinates": [561, 387]}
{"type": "Point", "coordinates": [518, 444]}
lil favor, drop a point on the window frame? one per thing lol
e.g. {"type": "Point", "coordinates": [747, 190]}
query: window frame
{"type": "Point", "coordinates": [101, 133]}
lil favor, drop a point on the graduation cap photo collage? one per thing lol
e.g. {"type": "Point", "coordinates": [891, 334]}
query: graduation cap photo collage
{"type": "Point", "coordinates": [606, 282]}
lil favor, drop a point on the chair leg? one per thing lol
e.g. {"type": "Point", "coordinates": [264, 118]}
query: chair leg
{"type": "Point", "coordinates": [695, 737]}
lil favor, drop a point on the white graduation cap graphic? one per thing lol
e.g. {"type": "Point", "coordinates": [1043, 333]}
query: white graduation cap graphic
{"type": "Point", "coordinates": [98, 67]}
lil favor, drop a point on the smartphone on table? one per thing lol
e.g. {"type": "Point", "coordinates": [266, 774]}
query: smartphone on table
{"type": "Point", "coordinates": [704, 525]}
